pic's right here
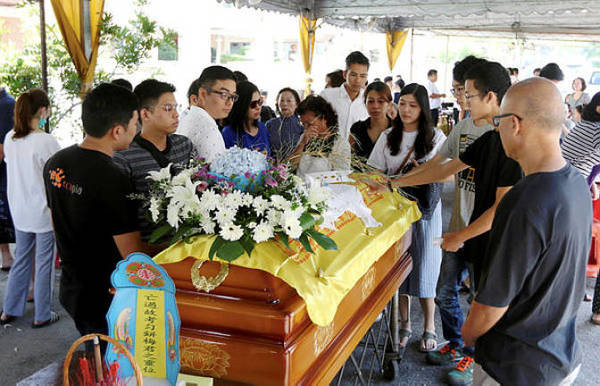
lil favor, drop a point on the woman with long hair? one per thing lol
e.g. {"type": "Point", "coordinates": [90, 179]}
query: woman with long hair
{"type": "Point", "coordinates": [364, 134]}
{"type": "Point", "coordinates": [320, 148]}
{"type": "Point", "coordinates": [244, 128]}
{"type": "Point", "coordinates": [412, 139]}
{"type": "Point", "coordinates": [285, 131]}
{"type": "Point", "coordinates": [26, 149]}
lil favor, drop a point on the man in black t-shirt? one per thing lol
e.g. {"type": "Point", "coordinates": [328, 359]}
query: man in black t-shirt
{"type": "Point", "coordinates": [94, 220]}
{"type": "Point", "coordinates": [522, 320]}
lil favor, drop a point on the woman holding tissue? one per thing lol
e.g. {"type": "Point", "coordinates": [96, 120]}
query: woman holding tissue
{"type": "Point", "coordinates": [412, 139]}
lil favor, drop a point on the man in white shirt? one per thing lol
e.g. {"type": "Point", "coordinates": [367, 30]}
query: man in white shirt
{"type": "Point", "coordinates": [348, 100]}
{"type": "Point", "coordinates": [215, 97]}
{"type": "Point", "coordinates": [435, 98]}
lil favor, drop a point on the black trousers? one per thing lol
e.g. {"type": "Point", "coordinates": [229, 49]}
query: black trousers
{"type": "Point", "coordinates": [596, 304]}
{"type": "Point", "coordinates": [435, 114]}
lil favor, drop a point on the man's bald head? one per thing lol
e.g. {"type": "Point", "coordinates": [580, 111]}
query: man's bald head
{"type": "Point", "coordinates": [537, 100]}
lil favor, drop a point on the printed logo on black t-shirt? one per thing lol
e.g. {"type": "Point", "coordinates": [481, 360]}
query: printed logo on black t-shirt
{"type": "Point", "coordinates": [466, 178]}
{"type": "Point", "coordinates": [58, 178]}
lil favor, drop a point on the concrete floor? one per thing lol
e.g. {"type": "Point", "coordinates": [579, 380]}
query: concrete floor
{"type": "Point", "coordinates": [24, 351]}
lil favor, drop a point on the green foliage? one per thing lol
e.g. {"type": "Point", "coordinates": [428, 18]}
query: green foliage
{"type": "Point", "coordinates": [128, 45]}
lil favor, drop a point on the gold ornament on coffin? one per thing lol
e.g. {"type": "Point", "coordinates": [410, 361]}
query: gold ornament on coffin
{"type": "Point", "coordinates": [207, 284]}
{"type": "Point", "coordinates": [322, 337]}
{"type": "Point", "coordinates": [205, 358]}
{"type": "Point", "coordinates": [368, 283]}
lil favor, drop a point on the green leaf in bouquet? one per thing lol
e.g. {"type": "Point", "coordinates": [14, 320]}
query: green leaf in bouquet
{"type": "Point", "coordinates": [160, 232]}
{"type": "Point", "coordinates": [306, 243]}
{"type": "Point", "coordinates": [218, 243]}
{"type": "Point", "coordinates": [230, 251]}
{"type": "Point", "coordinates": [247, 244]}
{"type": "Point", "coordinates": [324, 241]}
{"type": "Point", "coordinates": [307, 221]}
{"type": "Point", "coordinates": [180, 234]}
{"type": "Point", "coordinates": [284, 238]}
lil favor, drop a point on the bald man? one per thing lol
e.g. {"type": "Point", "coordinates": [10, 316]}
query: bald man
{"type": "Point", "coordinates": [522, 320]}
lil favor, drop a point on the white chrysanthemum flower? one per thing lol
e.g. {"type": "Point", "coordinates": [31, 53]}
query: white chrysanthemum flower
{"type": "Point", "coordinates": [279, 202]}
{"type": "Point", "coordinates": [247, 199]}
{"type": "Point", "coordinates": [209, 200]}
{"type": "Point", "coordinates": [291, 227]}
{"type": "Point", "coordinates": [225, 215]}
{"type": "Point", "coordinates": [262, 232]}
{"type": "Point", "coordinates": [231, 232]}
{"type": "Point", "coordinates": [162, 174]}
{"type": "Point", "coordinates": [154, 208]}
{"type": "Point", "coordinates": [233, 200]}
{"type": "Point", "coordinates": [251, 225]}
{"type": "Point", "coordinates": [273, 217]}
{"type": "Point", "coordinates": [260, 205]}
{"type": "Point", "coordinates": [183, 176]}
{"type": "Point", "coordinates": [318, 194]}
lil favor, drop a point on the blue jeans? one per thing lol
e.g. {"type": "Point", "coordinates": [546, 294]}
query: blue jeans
{"type": "Point", "coordinates": [30, 246]}
{"type": "Point", "coordinates": [452, 273]}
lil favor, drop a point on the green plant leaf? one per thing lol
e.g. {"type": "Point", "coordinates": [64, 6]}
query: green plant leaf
{"type": "Point", "coordinates": [218, 243]}
{"type": "Point", "coordinates": [307, 221]}
{"type": "Point", "coordinates": [305, 243]}
{"type": "Point", "coordinates": [159, 233]}
{"type": "Point", "coordinates": [230, 251]}
{"type": "Point", "coordinates": [247, 244]}
{"type": "Point", "coordinates": [324, 241]}
{"type": "Point", "coordinates": [284, 238]}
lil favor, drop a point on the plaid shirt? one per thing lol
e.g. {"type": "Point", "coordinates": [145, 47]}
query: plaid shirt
{"type": "Point", "coordinates": [136, 162]}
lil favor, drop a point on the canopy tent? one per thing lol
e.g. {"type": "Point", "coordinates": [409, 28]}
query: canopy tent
{"type": "Point", "coordinates": [525, 16]}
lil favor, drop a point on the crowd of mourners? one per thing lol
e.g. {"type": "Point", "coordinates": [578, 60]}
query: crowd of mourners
{"type": "Point", "coordinates": [523, 159]}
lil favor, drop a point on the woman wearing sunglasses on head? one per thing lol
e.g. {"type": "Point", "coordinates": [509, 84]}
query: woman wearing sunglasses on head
{"type": "Point", "coordinates": [243, 126]}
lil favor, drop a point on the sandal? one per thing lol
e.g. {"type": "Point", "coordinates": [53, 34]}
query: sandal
{"type": "Point", "coordinates": [427, 337]}
{"type": "Point", "coordinates": [54, 317]}
{"type": "Point", "coordinates": [587, 298]}
{"type": "Point", "coordinates": [595, 321]}
{"type": "Point", "coordinates": [403, 333]}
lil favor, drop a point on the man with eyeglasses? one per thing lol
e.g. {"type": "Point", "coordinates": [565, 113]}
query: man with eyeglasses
{"type": "Point", "coordinates": [347, 100]}
{"type": "Point", "coordinates": [523, 319]}
{"type": "Point", "coordinates": [495, 173]}
{"type": "Point", "coordinates": [157, 145]}
{"type": "Point", "coordinates": [215, 93]}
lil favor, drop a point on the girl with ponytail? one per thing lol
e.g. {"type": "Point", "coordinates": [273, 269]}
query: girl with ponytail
{"type": "Point", "coordinates": [26, 149]}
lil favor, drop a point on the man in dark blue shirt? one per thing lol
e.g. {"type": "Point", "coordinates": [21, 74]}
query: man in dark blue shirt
{"type": "Point", "coordinates": [522, 320]}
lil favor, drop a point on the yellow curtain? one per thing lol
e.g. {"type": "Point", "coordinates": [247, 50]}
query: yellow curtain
{"type": "Point", "coordinates": [394, 41]}
{"type": "Point", "coordinates": [69, 15]}
{"type": "Point", "coordinates": [307, 43]}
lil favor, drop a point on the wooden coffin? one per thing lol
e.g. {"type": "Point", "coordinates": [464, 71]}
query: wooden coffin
{"type": "Point", "coordinates": [255, 329]}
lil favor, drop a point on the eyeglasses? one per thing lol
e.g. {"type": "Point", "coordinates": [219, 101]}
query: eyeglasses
{"type": "Point", "coordinates": [457, 90]}
{"type": "Point", "coordinates": [168, 107]}
{"type": "Point", "coordinates": [496, 119]}
{"type": "Point", "coordinates": [223, 94]}
{"type": "Point", "coordinates": [469, 96]}
{"type": "Point", "coordinates": [256, 103]}
{"type": "Point", "coordinates": [311, 123]}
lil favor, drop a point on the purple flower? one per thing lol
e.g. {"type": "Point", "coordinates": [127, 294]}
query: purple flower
{"type": "Point", "coordinates": [247, 174]}
{"type": "Point", "coordinates": [202, 186]}
{"type": "Point", "coordinates": [270, 181]}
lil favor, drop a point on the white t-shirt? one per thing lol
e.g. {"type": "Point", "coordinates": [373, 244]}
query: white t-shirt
{"type": "Point", "coordinates": [25, 159]}
{"type": "Point", "coordinates": [382, 158]}
{"type": "Point", "coordinates": [434, 103]}
{"type": "Point", "coordinates": [348, 111]}
{"type": "Point", "coordinates": [203, 131]}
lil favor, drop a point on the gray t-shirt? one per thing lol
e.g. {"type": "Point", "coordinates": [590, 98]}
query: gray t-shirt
{"type": "Point", "coordinates": [463, 135]}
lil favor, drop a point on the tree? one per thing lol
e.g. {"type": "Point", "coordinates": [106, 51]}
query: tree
{"type": "Point", "coordinates": [128, 46]}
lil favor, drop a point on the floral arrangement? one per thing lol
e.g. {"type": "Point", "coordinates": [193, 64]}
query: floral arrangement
{"type": "Point", "coordinates": [243, 198]}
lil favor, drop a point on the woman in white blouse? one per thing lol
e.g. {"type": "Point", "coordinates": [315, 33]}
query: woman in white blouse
{"type": "Point", "coordinates": [413, 139]}
{"type": "Point", "coordinates": [26, 149]}
{"type": "Point", "coordinates": [320, 148]}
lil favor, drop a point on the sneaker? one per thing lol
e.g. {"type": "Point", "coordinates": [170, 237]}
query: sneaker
{"type": "Point", "coordinates": [462, 374]}
{"type": "Point", "coordinates": [445, 356]}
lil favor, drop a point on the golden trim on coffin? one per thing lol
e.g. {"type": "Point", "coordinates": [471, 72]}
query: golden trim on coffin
{"type": "Point", "coordinates": [322, 337]}
{"type": "Point", "coordinates": [202, 283]}
{"type": "Point", "coordinates": [368, 283]}
{"type": "Point", "coordinates": [207, 358]}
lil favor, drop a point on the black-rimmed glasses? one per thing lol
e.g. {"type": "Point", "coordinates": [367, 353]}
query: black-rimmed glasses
{"type": "Point", "coordinates": [223, 94]}
{"type": "Point", "coordinates": [496, 119]}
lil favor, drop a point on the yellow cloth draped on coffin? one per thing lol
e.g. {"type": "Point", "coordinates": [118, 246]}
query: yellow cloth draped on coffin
{"type": "Point", "coordinates": [324, 278]}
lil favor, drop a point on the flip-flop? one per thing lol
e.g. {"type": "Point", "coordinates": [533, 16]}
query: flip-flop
{"type": "Point", "coordinates": [404, 333]}
{"type": "Point", "coordinates": [54, 317]}
{"type": "Point", "coordinates": [9, 319]}
{"type": "Point", "coordinates": [423, 344]}
{"type": "Point", "coordinates": [594, 321]}
{"type": "Point", "coordinates": [5, 269]}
